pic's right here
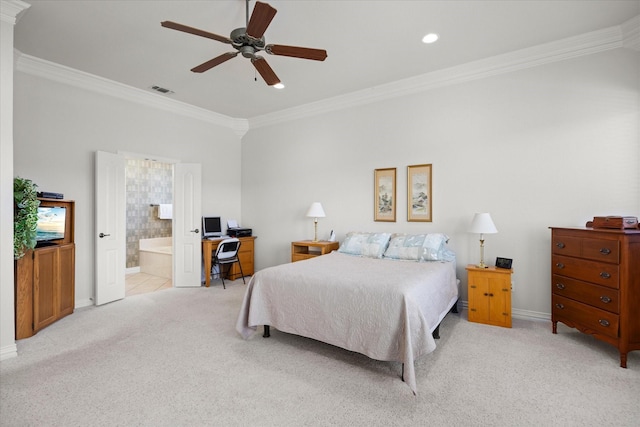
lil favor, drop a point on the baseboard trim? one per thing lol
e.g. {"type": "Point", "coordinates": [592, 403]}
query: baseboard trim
{"type": "Point", "coordinates": [84, 303]}
{"type": "Point", "coordinates": [9, 351]}
{"type": "Point", "coordinates": [521, 314]}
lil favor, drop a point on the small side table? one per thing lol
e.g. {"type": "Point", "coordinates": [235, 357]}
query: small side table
{"type": "Point", "coordinates": [305, 249]}
{"type": "Point", "coordinates": [489, 295]}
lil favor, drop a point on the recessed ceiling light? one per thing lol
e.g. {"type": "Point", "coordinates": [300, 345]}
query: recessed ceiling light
{"type": "Point", "coordinates": [279, 86]}
{"type": "Point", "coordinates": [430, 38]}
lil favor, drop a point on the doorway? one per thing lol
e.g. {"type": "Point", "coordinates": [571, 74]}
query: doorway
{"type": "Point", "coordinates": [110, 209]}
{"type": "Point", "coordinates": [149, 237]}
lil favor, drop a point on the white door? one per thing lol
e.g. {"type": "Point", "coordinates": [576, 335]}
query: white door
{"type": "Point", "coordinates": [110, 232]}
{"type": "Point", "coordinates": [187, 236]}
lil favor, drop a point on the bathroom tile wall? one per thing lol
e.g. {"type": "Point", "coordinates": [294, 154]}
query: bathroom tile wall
{"type": "Point", "coordinates": [148, 183]}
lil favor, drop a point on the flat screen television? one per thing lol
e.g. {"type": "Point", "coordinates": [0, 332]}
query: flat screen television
{"type": "Point", "coordinates": [211, 226]}
{"type": "Point", "coordinates": [51, 223]}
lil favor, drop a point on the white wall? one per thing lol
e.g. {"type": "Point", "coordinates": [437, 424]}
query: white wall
{"type": "Point", "coordinates": [553, 145]}
{"type": "Point", "coordinates": [9, 14]}
{"type": "Point", "coordinates": [58, 128]}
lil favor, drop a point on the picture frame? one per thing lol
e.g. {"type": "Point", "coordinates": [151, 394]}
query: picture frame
{"type": "Point", "coordinates": [385, 195]}
{"type": "Point", "coordinates": [419, 199]}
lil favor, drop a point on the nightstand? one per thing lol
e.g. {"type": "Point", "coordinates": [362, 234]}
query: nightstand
{"type": "Point", "coordinates": [489, 292]}
{"type": "Point", "coordinates": [305, 249]}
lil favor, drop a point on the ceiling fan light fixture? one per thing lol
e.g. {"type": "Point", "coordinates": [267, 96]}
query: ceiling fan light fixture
{"type": "Point", "coordinates": [249, 41]}
{"type": "Point", "coordinates": [430, 38]}
{"type": "Point", "coordinates": [279, 86]}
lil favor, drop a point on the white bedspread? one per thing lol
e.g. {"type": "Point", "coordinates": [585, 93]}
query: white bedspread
{"type": "Point", "coordinates": [384, 309]}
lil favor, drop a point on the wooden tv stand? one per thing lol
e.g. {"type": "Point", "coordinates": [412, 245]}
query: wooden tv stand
{"type": "Point", "coordinates": [44, 279]}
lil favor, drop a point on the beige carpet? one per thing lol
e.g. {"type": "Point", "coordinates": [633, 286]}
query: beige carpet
{"type": "Point", "coordinates": [173, 358]}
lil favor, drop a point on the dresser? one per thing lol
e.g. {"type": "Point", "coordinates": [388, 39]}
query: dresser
{"type": "Point", "coordinates": [595, 284]}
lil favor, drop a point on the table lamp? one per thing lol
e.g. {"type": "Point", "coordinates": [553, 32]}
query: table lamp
{"type": "Point", "coordinates": [316, 211]}
{"type": "Point", "coordinates": [482, 224]}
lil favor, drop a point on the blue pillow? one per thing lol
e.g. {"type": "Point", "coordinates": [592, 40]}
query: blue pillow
{"type": "Point", "coordinates": [371, 245]}
{"type": "Point", "coordinates": [418, 247]}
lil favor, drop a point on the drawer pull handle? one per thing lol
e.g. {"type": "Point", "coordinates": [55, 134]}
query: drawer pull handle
{"type": "Point", "coordinates": [605, 251]}
{"type": "Point", "coordinates": [486, 294]}
{"type": "Point", "coordinates": [560, 286]}
{"type": "Point", "coordinates": [560, 306]}
{"type": "Point", "coordinates": [560, 265]}
{"type": "Point", "coordinates": [603, 322]}
{"type": "Point", "coordinates": [605, 299]}
{"type": "Point", "coordinates": [605, 275]}
{"type": "Point", "coordinates": [560, 245]}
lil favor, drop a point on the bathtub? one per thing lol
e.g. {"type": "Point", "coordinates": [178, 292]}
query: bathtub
{"type": "Point", "coordinates": [156, 256]}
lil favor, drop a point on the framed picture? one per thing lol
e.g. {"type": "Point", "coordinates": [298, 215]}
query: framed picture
{"type": "Point", "coordinates": [385, 195]}
{"type": "Point", "coordinates": [419, 201]}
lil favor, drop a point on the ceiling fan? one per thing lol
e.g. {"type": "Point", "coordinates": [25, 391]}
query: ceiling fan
{"type": "Point", "coordinates": [249, 41]}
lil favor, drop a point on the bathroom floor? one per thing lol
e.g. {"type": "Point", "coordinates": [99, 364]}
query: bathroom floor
{"type": "Point", "coordinates": [142, 283]}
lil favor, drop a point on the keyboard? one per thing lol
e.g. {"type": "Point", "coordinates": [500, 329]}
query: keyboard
{"type": "Point", "coordinates": [217, 238]}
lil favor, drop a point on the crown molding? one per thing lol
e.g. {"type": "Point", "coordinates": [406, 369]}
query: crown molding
{"type": "Point", "coordinates": [560, 50]}
{"type": "Point", "coordinates": [11, 10]}
{"type": "Point", "coordinates": [631, 33]}
{"type": "Point", "coordinates": [60, 73]}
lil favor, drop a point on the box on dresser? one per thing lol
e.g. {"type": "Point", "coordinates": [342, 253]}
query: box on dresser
{"type": "Point", "coordinates": [595, 284]}
{"type": "Point", "coordinates": [615, 222]}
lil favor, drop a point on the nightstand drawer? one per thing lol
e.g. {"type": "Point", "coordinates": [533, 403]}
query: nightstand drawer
{"type": "Point", "coordinates": [584, 316]}
{"type": "Point", "coordinates": [306, 249]}
{"type": "Point", "coordinates": [595, 272]}
{"type": "Point", "coordinates": [597, 296]}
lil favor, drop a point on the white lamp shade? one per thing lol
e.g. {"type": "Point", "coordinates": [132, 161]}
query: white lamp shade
{"type": "Point", "coordinates": [482, 224]}
{"type": "Point", "coordinates": [316, 211]}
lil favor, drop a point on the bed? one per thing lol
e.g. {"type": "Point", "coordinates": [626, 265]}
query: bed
{"type": "Point", "coordinates": [381, 299]}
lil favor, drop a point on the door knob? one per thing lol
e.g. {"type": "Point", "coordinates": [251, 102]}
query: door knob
{"type": "Point", "coordinates": [102, 235]}
{"type": "Point", "coordinates": [195, 231]}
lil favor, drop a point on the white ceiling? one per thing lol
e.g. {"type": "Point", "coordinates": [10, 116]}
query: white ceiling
{"type": "Point", "coordinates": [369, 43]}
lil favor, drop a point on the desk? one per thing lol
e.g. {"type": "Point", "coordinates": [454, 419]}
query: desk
{"type": "Point", "coordinates": [245, 255]}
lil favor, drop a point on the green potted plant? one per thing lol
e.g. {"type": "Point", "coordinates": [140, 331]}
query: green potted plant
{"type": "Point", "coordinates": [25, 215]}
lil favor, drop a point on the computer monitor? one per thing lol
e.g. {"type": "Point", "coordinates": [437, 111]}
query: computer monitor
{"type": "Point", "coordinates": [211, 226]}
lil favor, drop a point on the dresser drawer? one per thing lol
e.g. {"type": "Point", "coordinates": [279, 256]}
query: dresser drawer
{"type": "Point", "coordinates": [600, 273]}
{"type": "Point", "coordinates": [601, 250]}
{"type": "Point", "coordinates": [595, 249]}
{"type": "Point", "coordinates": [597, 296]}
{"type": "Point", "coordinates": [586, 316]}
{"type": "Point", "coordinates": [566, 245]}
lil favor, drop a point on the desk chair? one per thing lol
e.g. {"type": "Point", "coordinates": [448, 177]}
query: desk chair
{"type": "Point", "coordinates": [226, 254]}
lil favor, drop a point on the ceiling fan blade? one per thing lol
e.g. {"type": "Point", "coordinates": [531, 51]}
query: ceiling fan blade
{"type": "Point", "coordinates": [297, 52]}
{"type": "Point", "coordinates": [197, 32]}
{"type": "Point", "coordinates": [213, 62]}
{"type": "Point", "coordinates": [265, 70]}
{"type": "Point", "coordinates": [260, 19]}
